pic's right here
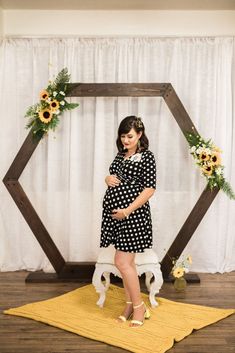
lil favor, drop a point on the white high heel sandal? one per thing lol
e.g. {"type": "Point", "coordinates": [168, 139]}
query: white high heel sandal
{"type": "Point", "coordinates": [146, 315]}
{"type": "Point", "coordinates": [122, 317]}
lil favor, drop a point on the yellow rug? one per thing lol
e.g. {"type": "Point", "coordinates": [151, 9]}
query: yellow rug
{"type": "Point", "coordinates": [77, 312]}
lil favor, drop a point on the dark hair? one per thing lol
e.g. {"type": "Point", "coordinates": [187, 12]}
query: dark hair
{"type": "Point", "coordinates": [125, 126]}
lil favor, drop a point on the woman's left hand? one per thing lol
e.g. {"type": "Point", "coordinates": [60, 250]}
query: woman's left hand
{"type": "Point", "coordinates": [117, 213]}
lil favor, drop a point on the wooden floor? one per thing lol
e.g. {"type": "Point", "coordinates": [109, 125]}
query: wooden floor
{"type": "Point", "coordinates": [22, 335]}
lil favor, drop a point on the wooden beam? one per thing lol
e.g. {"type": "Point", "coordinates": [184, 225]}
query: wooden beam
{"type": "Point", "coordinates": [21, 159]}
{"type": "Point", "coordinates": [116, 89]}
{"type": "Point", "coordinates": [35, 224]}
{"type": "Point", "coordinates": [188, 228]}
{"type": "Point", "coordinates": [178, 110]}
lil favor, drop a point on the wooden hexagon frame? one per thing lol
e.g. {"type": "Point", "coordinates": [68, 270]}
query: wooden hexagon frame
{"type": "Point", "coordinates": [84, 270]}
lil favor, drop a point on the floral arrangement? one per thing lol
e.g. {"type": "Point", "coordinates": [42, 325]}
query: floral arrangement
{"type": "Point", "coordinates": [207, 157]}
{"type": "Point", "coordinates": [181, 267]}
{"type": "Point", "coordinates": [45, 114]}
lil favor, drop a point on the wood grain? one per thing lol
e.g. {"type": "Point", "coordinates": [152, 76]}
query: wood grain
{"type": "Point", "coordinates": [117, 89]}
{"type": "Point", "coordinates": [22, 335]}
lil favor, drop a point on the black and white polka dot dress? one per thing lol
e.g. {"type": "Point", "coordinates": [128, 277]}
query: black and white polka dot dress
{"type": "Point", "coordinates": [132, 234]}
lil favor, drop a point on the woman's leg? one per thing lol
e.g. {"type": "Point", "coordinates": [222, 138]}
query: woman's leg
{"type": "Point", "coordinates": [125, 262]}
{"type": "Point", "coordinates": [128, 307]}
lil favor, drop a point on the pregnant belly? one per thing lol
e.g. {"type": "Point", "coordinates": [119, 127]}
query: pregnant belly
{"type": "Point", "coordinates": [120, 196]}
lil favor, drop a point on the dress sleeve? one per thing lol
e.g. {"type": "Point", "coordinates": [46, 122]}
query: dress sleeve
{"type": "Point", "coordinates": [149, 170]}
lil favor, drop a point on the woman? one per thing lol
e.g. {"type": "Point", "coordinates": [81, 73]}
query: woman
{"type": "Point", "coordinates": [126, 216]}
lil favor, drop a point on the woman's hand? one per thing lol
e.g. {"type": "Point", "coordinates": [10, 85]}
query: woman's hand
{"type": "Point", "coordinates": [112, 180]}
{"type": "Point", "coordinates": [118, 213]}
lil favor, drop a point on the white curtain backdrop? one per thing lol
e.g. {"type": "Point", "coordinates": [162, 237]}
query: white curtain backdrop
{"type": "Point", "coordinates": [64, 179]}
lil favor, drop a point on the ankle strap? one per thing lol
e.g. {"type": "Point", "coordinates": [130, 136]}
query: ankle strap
{"type": "Point", "coordinates": [137, 306]}
{"type": "Point", "coordinates": [129, 302]}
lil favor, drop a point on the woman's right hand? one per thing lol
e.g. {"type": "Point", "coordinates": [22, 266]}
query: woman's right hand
{"type": "Point", "coordinates": [112, 180]}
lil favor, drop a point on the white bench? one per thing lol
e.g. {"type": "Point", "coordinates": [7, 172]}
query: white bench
{"type": "Point", "coordinates": [146, 262]}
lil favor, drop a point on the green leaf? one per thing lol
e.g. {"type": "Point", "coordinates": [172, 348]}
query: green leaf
{"type": "Point", "coordinates": [192, 138]}
{"type": "Point", "coordinates": [70, 106]}
{"type": "Point", "coordinates": [62, 77]}
{"type": "Point", "coordinates": [31, 110]}
{"type": "Point", "coordinates": [30, 123]}
{"type": "Point", "coordinates": [226, 187]}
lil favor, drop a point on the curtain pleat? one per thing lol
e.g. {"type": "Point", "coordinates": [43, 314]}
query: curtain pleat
{"type": "Point", "coordinates": [64, 178]}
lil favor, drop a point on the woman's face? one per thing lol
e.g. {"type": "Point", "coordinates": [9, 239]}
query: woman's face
{"type": "Point", "coordinates": [130, 139]}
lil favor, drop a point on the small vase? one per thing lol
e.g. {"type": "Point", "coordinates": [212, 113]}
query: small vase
{"type": "Point", "coordinates": [180, 284]}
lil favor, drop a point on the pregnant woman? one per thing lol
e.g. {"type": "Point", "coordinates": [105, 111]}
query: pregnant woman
{"type": "Point", "coordinates": [126, 216]}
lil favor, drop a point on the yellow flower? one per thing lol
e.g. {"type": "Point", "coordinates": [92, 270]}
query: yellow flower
{"type": "Point", "coordinates": [207, 169]}
{"type": "Point", "coordinates": [189, 259]}
{"type": "Point", "coordinates": [54, 105]}
{"type": "Point", "coordinates": [215, 159]}
{"type": "Point", "coordinates": [217, 149]}
{"type": "Point", "coordinates": [45, 115]}
{"type": "Point", "coordinates": [178, 272]}
{"type": "Point", "coordinates": [204, 156]}
{"type": "Point", "coordinates": [44, 95]}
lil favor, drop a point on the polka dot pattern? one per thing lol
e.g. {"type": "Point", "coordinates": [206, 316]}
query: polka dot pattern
{"type": "Point", "coordinates": [132, 234]}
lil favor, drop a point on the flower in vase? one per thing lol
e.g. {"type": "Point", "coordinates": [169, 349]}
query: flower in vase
{"type": "Point", "coordinates": [178, 272]}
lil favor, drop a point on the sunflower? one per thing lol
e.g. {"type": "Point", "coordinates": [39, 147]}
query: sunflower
{"type": "Point", "coordinates": [45, 115]}
{"type": "Point", "coordinates": [44, 95]}
{"type": "Point", "coordinates": [207, 169]}
{"type": "Point", "coordinates": [54, 105]}
{"type": "Point", "coordinates": [215, 158]}
{"type": "Point", "coordinates": [178, 272]}
{"type": "Point", "coordinates": [217, 149]}
{"type": "Point", "coordinates": [204, 156]}
{"type": "Point", "coordinates": [189, 259]}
